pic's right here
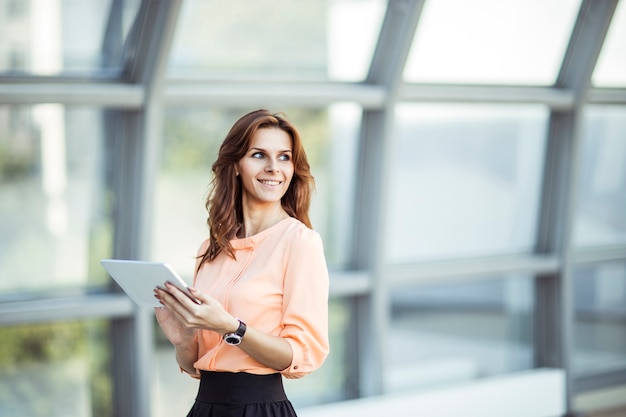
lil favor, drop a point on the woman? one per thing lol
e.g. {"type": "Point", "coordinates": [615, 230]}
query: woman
{"type": "Point", "coordinates": [261, 278]}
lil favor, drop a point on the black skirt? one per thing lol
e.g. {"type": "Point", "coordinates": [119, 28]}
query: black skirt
{"type": "Point", "coordinates": [227, 394]}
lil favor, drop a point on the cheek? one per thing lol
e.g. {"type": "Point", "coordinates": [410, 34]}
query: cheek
{"type": "Point", "coordinates": [246, 171]}
{"type": "Point", "coordinates": [289, 176]}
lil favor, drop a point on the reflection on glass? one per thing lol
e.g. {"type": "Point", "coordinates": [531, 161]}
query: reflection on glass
{"type": "Point", "coordinates": [174, 392]}
{"type": "Point", "coordinates": [276, 39]}
{"type": "Point", "coordinates": [53, 218]}
{"type": "Point", "coordinates": [601, 218]}
{"type": "Point", "coordinates": [464, 181]}
{"type": "Point", "coordinates": [491, 41]}
{"type": "Point", "coordinates": [53, 37]}
{"type": "Point", "coordinates": [611, 67]}
{"type": "Point", "coordinates": [455, 332]}
{"type": "Point", "coordinates": [191, 140]}
{"type": "Point", "coordinates": [600, 326]}
{"type": "Point", "coordinates": [55, 370]}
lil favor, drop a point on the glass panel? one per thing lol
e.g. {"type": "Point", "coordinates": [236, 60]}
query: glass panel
{"type": "Point", "coordinates": [278, 39]}
{"type": "Point", "coordinates": [600, 327]}
{"type": "Point", "coordinates": [329, 383]}
{"type": "Point", "coordinates": [175, 392]}
{"type": "Point", "coordinates": [466, 180]}
{"type": "Point", "coordinates": [611, 67]}
{"type": "Point", "coordinates": [191, 140]}
{"type": "Point", "coordinates": [54, 222]}
{"type": "Point", "coordinates": [72, 37]}
{"type": "Point", "coordinates": [491, 41]}
{"type": "Point", "coordinates": [454, 332]}
{"type": "Point", "coordinates": [55, 370]}
{"type": "Point", "coordinates": [600, 218]}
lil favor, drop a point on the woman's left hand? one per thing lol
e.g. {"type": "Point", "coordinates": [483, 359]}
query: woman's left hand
{"type": "Point", "coordinates": [209, 315]}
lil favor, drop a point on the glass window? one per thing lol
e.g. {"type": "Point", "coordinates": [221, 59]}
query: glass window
{"type": "Point", "coordinates": [277, 39]}
{"type": "Point", "coordinates": [457, 332]}
{"type": "Point", "coordinates": [329, 383]}
{"type": "Point", "coordinates": [55, 370]}
{"type": "Point", "coordinates": [491, 41]}
{"type": "Point", "coordinates": [464, 180]}
{"type": "Point", "coordinates": [54, 220]}
{"type": "Point", "coordinates": [600, 218]}
{"type": "Point", "coordinates": [175, 392]}
{"type": "Point", "coordinates": [191, 140]}
{"type": "Point", "coordinates": [70, 37]}
{"type": "Point", "coordinates": [600, 326]}
{"type": "Point", "coordinates": [611, 67]}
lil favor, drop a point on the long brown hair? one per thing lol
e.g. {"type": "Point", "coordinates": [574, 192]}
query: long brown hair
{"type": "Point", "coordinates": [224, 202]}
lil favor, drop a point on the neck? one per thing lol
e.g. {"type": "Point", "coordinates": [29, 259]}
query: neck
{"type": "Point", "coordinates": [259, 219]}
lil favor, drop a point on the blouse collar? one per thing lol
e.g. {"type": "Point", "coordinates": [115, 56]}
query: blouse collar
{"type": "Point", "coordinates": [250, 242]}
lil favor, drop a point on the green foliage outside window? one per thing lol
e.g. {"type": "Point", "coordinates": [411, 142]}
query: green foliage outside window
{"type": "Point", "coordinates": [42, 366]}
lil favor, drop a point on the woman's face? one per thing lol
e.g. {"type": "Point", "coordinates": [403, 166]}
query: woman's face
{"type": "Point", "coordinates": [267, 168]}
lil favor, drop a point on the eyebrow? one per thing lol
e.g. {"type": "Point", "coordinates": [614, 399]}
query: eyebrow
{"type": "Point", "coordinates": [264, 150]}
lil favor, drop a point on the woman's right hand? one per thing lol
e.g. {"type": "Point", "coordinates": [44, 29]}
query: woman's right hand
{"type": "Point", "coordinates": [175, 331]}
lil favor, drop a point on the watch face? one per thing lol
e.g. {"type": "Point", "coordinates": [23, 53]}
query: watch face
{"type": "Point", "coordinates": [233, 339]}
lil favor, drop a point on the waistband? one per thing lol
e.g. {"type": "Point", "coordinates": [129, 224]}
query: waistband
{"type": "Point", "coordinates": [240, 387]}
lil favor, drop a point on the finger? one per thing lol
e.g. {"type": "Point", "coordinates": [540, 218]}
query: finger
{"type": "Point", "coordinates": [181, 296]}
{"type": "Point", "coordinates": [161, 294]}
{"type": "Point", "coordinates": [200, 296]}
{"type": "Point", "coordinates": [157, 295]}
{"type": "Point", "coordinates": [174, 291]}
{"type": "Point", "coordinates": [170, 302]}
{"type": "Point", "coordinates": [169, 295]}
{"type": "Point", "coordinates": [181, 305]}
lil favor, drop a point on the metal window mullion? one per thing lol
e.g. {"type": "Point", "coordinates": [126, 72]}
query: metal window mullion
{"type": "Point", "coordinates": [128, 398]}
{"type": "Point", "coordinates": [498, 267]}
{"type": "Point", "coordinates": [599, 255]}
{"type": "Point", "coordinates": [553, 318]}
{"type": "Point", "coordinates": [101, 94]}
{"type": "Point", "coordinates": [611, 96]}
{"type": "Point", "coordinates": [372, 318]}
{"type": "Point", "coordinates": [554, 309]}
{"type": "Point", "coordinates": [92, 306]}
{"type": "Point", "coordinates": [372, 311]}
{"type": "Point", "coordinates": [112, 45]}
{"type": "Point", "coordinates": [268, 94]}
{"type": "Point", "coordinates": [139, 149]}
{"type": "Point", "coordinates": [554, 98]}
{"type": "Point", "coordinates": [609, 378]}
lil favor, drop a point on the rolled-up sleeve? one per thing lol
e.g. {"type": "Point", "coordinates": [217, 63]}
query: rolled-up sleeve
{"type": "Point", "coordinates": [305, 304]}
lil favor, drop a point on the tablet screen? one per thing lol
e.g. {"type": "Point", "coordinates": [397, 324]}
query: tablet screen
{"type": "Point", "coordinates": [138, 279]}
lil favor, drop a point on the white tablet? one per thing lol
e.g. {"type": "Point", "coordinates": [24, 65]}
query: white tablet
{"type": "Point", "coordinates": [138, 279]}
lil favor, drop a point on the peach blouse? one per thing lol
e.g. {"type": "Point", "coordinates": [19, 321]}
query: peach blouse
{"type": "Point", "coordinates": [279, 285]}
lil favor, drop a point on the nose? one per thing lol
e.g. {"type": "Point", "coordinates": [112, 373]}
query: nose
{"type": "Point", "coordinates": [272, 165]}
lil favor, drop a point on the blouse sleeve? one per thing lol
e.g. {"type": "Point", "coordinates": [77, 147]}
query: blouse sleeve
{"type": "Point", "coordinates": [305, 304]}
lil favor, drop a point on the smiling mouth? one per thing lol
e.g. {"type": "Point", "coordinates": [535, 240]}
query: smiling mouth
{"type": "Point", "coordinates": [268, 182]}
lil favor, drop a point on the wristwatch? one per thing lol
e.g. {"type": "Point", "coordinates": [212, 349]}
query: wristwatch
{"type": "Point", "coordinates": [235, 338]}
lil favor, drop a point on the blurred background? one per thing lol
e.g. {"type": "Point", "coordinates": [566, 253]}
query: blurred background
{"type": "Point", "coordinates": [470, 161]}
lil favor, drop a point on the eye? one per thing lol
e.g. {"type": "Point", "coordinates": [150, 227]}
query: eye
{"type": "Point", "coordinates": [285, 157]}
{"type": "Point", "coordinates": [257, 155]}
